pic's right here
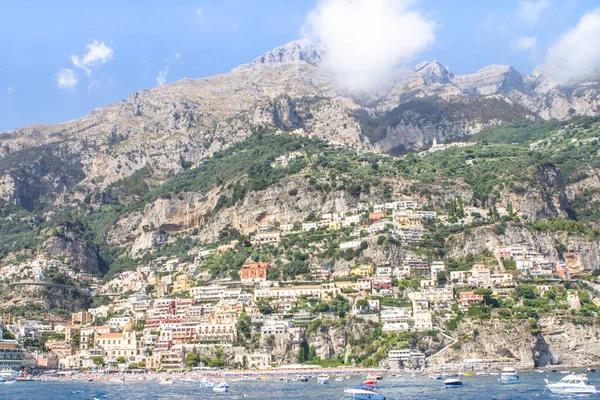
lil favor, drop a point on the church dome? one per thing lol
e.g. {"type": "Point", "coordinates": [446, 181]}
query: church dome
{"type": "Point", "coordinates": [128, 327]}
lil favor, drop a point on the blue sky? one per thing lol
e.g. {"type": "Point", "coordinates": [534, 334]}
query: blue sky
{"type": "Point", "coordinates": [131, 42]}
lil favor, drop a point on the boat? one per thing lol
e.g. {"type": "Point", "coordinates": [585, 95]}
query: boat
{"type": "Point", "coordinates": [467, 374]}
{"type": "Point", "coordinates": [509, 375]}
{"type": "Point", "coordinates": [565, 372]}
{"type": "Point", "coordinates": [117, 380]}
{"type": "Point", "coordinates": [188, 380]}
{"type": "Point", "coordinates": [221, 387]}
{"type": "Point", "coordinates": [165, 381]}
{"type": "Point", "coordinates": [374, 377]}
{"type": "Point", "coordinates": [571, 384]}
{"type": "Point", "coordinates": [494, 373]}
{"type": "Point", "coordinates": [323, 379]}
{"type": "Point", "coordinates": [436, 376]}
{"type": "Point", "coordinates": [363, 392]}
{"type": "Point", "coordinates": [7, 374]}
{"type": "Point", "coordinates": [591, 370]}
{"type": "Point", "coordinates": [304, 378]}
{"type": "Point", "coordinates": [8, 382]}
{"type": "Point", "coordinates": [452, 383]}
{"type": "Point", "coordinates": [481, 373]}
{"type": "Point", "coordinates": [339, 379]}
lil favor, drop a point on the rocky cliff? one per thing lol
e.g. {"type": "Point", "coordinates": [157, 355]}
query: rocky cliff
{"type": "Point", "coordinates": [285, 89]}
{"type": "Point", "coordinates": [559, 341]}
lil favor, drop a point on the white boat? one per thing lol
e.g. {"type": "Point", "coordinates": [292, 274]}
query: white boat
{"type": "Point", "coordinates": [323, 379]}
{"type": "Point", "coordinates": [339, 379]}
{"type": "Point", "coordinates": [436, 376]}
{"type": "Point", "coordinates": [362, 394]}
{"type": "Point", "coordinates": [452, 383]}
{"type": "Point", "coordinates": [116, 380]}
{"type": "Point", "coordinates": [7, 374]}
{"type": "Point", "coordinates": [509, 375]}
{"type": "Point", "coordinates": [571, 384]}
{"type": "Point", "coordinates": [481, 373]}
{"type": "Point", "coordinates": [221, 387]}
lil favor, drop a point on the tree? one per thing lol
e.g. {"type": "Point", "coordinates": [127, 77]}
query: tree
{"type": "Point", "coordinates": [8, 335]}
{"type": "Point", "coordinates": [98, 361]}
{"type": "Point", "coordinates": [75, 339]}
{"type": "Point", "coordinates": [121, 360]}
{"type": "Point", "coordinates": [441, 278]}
{"type": "Point", "coordinates": [192, 359]}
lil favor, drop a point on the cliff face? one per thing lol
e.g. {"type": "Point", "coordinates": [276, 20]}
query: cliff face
{"type": "Point", "coordinates": [559, 342]}
{"type": "Point", "coordinates": [283, 89]}
{"type": "Point", "coordinates": [582, 253]}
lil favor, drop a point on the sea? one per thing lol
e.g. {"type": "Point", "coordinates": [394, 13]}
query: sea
{"type": "Point", "coordinates": [530, 386]}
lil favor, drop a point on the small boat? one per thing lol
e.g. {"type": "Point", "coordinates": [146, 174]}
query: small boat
{"type": "Point", "coordinates": [509, 375]}
{"type": "Point", "coordinates": [221, 387]}
{"type": "Point", "coordinates": [374, 377]}
{"type": "Point", "coordinates": [188, 380]}
{"type": "Point", "coordinates": [165, 381]}
{"type": "Point", "coordinates": [494, 373]}
{"type": "Point", "coordinates": [7, 374]}
{"type": "Point", "coordinates": [304, 378]}
{"type": "Point", "coordinates": [452, 383]}
{"type": "Point", "coordinates": [591, 370]}
{"type": "Point", "coordinates": [363, 392]}
{"type": "Point", "coordinates": [481, 373]}
{"type": "Point", "coordinates": [323, 379]}
{"type": "Point", "coordinates": [117, 380]}
{"type": "Point", "coordinates": [339, 379]}
{"type": "Point", "coordinates": [9, 382]}
{"type": "Point", "coordinates": [467, 374]}
{"type": "Point", "coordinates": [571, 384]}
{"type": "Point", "coordinates": [436, 376]}
{"type": "Point", "coordinates": [565, 372]}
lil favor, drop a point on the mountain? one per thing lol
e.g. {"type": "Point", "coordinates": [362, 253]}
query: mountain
{"type": "Point", "coordinates": [123, 180]}
{"type": "Point", "coordinates": [163, 128]}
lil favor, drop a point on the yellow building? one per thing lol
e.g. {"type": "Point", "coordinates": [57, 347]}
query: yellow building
{"type": "Point", "coordinates": [82, 318]}
{"type": "Point", "coordinates": [181, 284]}
{"type": "Point", "coordinates": [114, 345]}
{"type": "Point", "coordinates": [363, 270]}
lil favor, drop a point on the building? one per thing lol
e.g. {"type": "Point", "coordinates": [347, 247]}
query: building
{"type": "Point", "coordinates": [406, 357]}
{"type": "Point", "coordinates": [468, 298]}
{"type": "Point", "coordinates": [114, 345]}
{"type": "Point", "coordinates": [12, 355]}
{"type": "Point", "coordinates": [82, 318]}
{"type": "Point", "coordinates": [181, 284]}
{"type": "Point", "coordinates": [254, 272]}
{"type": "Point", "coordinates": [266, 238]}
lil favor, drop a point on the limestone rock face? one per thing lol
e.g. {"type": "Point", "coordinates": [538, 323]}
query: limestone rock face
{"type": "Point", "coordinates": [285, 89]}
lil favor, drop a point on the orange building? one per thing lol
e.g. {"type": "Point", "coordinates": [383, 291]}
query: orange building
{"type": "Point", "coordinates": [254, 272]}
{"type": "Point", "coordinates": [377, 215]}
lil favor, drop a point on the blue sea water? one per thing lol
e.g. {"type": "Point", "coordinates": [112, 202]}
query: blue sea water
{"type": "Point", "coordinates": [530, 386]}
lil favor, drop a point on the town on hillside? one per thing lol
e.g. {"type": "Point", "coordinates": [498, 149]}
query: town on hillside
{"type": "Point", "coordinates": [172, 314]}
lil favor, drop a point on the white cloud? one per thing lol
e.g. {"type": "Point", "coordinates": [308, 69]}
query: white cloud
{"type": "Point", "coordinates": [530, 11]}
{"type": "Point", "coordinates": [66, 79]}
{"type": "Point", "coordinates": [97, 53]}
{"type": "Point", "coordinates": [525, 43]}
{"type": "Point", "coordinates": [10, 90]}
{"type": "Point", "coordinates": [199, 11]}
{"type": "Point", "coordinates": [177, 55]}
{"type": "Point", "coordinates": [577, 52]}
{"type": "Point", "coordinates": [365, 39]}
{"type": "Point", "coordinates": [161, 78]}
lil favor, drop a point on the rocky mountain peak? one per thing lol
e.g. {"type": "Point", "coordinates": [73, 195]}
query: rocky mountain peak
{"type": "Point", "coordinates": [433, 72]}
{"type": "Point", "coordinates": [296, 51]}
{"type": "Point", "coordinates": [490, 80]}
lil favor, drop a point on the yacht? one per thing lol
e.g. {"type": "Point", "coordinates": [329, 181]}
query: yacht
{"type": "Point", "coordinates": [221, 387]}
{"type": "Point", "coordinates": [571, 384]}
{"type": "Point", "coordinates": [323, 379]}
{"type": "Point", "coordinates": [509, 375]}
{"type": "Point", "coordinates": [452, 382]}
{"type": "Point", "coordinates": [363, 392]}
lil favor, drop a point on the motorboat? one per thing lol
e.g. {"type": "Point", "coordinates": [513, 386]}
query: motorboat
{"type": "Point", "coordinates": [452, 383]}
{"type": "Point", "coordinates": [117, 380]}
{"type": "Point", "coordinates": [221, 387]}
{"type": "Point", "coordinates": [436, 376]}
{"type": "Point", "coordinates": [591, 369]}
{"type": "Point", "coordinates": [571, 384]}
{"type": "Point", "coordinates": [374, 377]}
{"type": "Point", "coordinates": [565, 372]}
{"type": "Point", "coordinates": [339, 379]}
{"type": "Point", "coordinates": [7, 374]}
{"type": "Point", "coordinates": [304, 378]}
{"type": "Point", "coordinates": [323, 379]}
{"type": "Point", "coordinates": [363, 392]}
{"type": "Point", "coordinates": [509, 375]}
{"type": "Point", "coordinates": [480, 373]}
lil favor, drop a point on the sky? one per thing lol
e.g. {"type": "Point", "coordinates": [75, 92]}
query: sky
{"type": "Point", "coordinates": [59, 60]}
